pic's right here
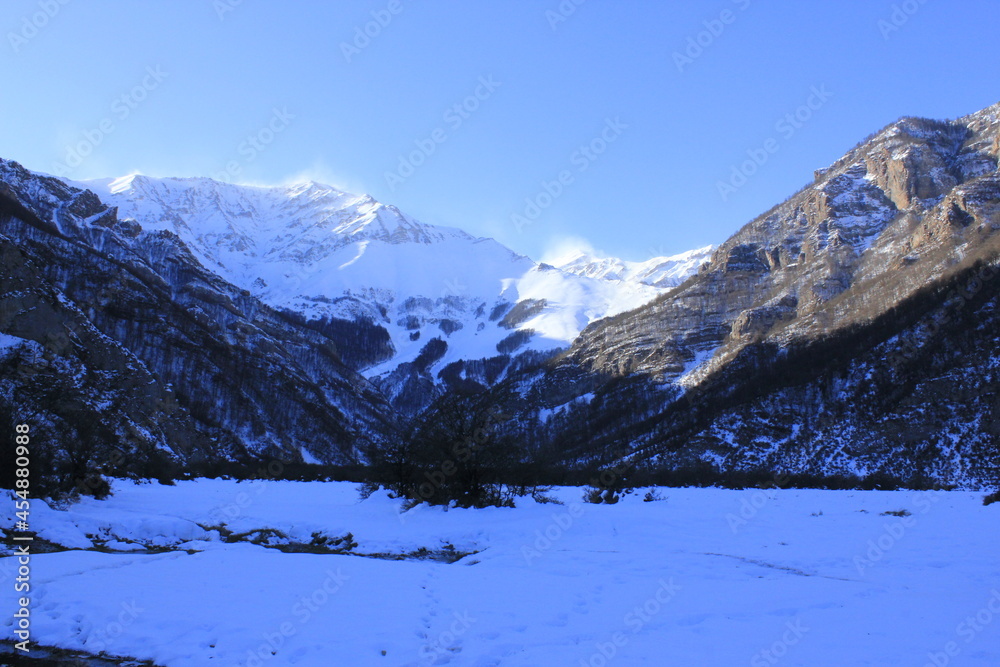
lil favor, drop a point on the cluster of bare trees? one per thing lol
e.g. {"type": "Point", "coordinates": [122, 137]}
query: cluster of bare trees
{"type": "Point", "coordinates": [460, 450]}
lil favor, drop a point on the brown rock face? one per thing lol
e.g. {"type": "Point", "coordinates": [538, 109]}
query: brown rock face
{"type": "Point", "coordinates": [120, 338]}
{"type": "Point", "coordinates": [920, 190]}
{"type": "Point", "coordinates": [852, 330]}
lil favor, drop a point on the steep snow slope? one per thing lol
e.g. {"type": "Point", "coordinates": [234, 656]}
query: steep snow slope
{"type": "Point", "coordinates": [325, 253]}
{"type": "Point", "coordinates": [663, 272]}
{"type": "Point", "coordinates": [123, 342]}
{"type": "Point", "coordinates": [849, 330]}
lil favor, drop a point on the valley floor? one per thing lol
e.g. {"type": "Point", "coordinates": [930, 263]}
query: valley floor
{"type": "Point", "coordinates": [215, 572]}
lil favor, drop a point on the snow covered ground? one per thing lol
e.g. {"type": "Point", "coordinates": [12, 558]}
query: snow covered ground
{"type": "Point", "coordinates": [702, 577]}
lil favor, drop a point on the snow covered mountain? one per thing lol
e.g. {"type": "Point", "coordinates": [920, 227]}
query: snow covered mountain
{"type": "Point", "coordinates": [663, 272]}
{"type": "Point", "coordinates": [131, 357]}
{"type": "Point", "coordinates": [850, 330]}
{"type": "Point", "coordinates": [328, 255]}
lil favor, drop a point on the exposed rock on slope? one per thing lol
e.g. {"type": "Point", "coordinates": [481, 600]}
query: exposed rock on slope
{"type": "Point", "coordinates": [118, 337]}
{"type": "Point", "coordinates": [382, 284]}
{"type": "Point", "coordinates": [848, 261]}
{"type": "Point", "coordinates": [894, 213]}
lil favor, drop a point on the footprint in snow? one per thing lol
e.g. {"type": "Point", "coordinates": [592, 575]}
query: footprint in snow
{"type": "Point", "coordinates": [560, 621]}
{"type": "Point", "coordinates": [785, 612]}
{"type": "Point", "coordinates": [693, 619]}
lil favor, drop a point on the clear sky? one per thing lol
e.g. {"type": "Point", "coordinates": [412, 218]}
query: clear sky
{"type": "Point", "coordinates": [263, 92]}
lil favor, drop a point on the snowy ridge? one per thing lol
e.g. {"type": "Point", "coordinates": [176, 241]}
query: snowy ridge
{"type": "Point", "coordinates": [322, 252]}
{"type": "Point", "coordinates": [662, 272]}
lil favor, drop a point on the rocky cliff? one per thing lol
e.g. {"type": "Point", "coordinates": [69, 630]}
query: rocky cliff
{"type": "Point", "coordinates": [839, 277]}
{"type": "Point", "coordinates": [117, 338]}
{"type": "Point", "coordinates": [851, 330]}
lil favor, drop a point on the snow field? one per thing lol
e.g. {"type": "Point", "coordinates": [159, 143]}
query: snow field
{"type": "Point", "coordinates": [704, 577]}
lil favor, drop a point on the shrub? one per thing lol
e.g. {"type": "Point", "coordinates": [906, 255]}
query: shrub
{"type": "Point", "coordinates": [597, 496]}
{"type": "Point", "coordinates": [540, 495]}
{"type": "Point", "coordinates": [96, 486]}
{"type": "Point", "coordinates": [456, 451]}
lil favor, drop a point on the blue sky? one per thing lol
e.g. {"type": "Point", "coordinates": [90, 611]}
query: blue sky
{"type": "Point", "coordinates": [575, 122]}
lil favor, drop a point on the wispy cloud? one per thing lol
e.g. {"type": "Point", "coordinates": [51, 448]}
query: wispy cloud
{"type": "Point", "coordinates": [320, 172]}
{"type": "Point", "coordinates": [563, 248]}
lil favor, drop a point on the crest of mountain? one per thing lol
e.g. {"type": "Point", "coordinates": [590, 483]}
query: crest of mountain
{"type": "Point", "coordinates": [131, 358]}
{"type": "Point", "coordinates": [332, 258]}
{"type": "Point", "coordinates": [851, 329]}
{"type": "Point", "coordinates": [662, 272]}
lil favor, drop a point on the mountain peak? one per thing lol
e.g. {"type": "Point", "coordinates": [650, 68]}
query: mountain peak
{"type": "Point", "coordinates": [662, 272]}
{"type": "Point", "coordinates": [991, 113]}
{"type": "Point", "coordinates": [320, 252]}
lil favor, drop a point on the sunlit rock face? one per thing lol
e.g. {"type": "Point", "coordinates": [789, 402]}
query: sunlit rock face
{"type": "Point", "coordinates": [850, 330]}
